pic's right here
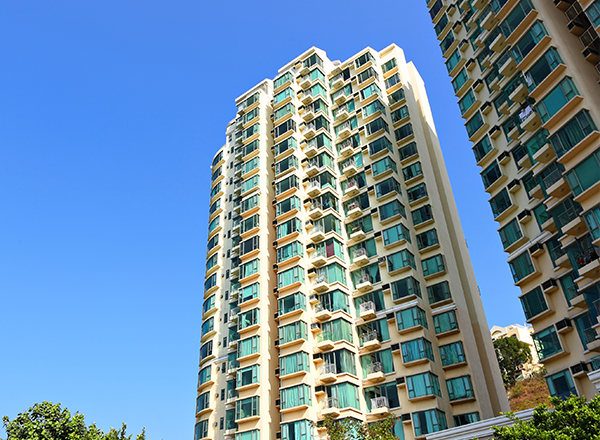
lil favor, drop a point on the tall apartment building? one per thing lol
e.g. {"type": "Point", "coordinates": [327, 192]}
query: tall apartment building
{"type": "Point", "coordinates": [337, 278]}
{"type": "Point", "coordinates": [526, 75]}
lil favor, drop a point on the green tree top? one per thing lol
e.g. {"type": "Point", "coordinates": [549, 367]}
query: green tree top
{"type": "Point", "coordinates": [511, 354]}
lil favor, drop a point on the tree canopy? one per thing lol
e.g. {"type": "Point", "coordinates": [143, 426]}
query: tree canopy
{"type": "Point", "coordinates": [571, 419]}
{"type": "Point", "coordinates": [511, 354]}
{"type": "Point", "coordinates": [48, 421]}
{"type": "Point", "coordinates": [354, 429]}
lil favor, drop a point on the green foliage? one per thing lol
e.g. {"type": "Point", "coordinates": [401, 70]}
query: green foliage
{"type": "Point", "coordinates": [354, 429]}
{"type": "Point", "coordinates": [511, 354]}
{"type": "Point", "coordinates": [47, 421]}
{"type": "Point", "coordinates": [571, 419]}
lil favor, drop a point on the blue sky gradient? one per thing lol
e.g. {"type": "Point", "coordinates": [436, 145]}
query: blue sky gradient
{"type": "Point", "coordinates": [110, 113]}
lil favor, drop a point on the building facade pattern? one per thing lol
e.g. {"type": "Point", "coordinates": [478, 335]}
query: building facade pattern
{"type": "Point", "coordinates": [337, 278]}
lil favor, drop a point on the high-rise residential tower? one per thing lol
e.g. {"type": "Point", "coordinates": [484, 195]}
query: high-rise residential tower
{"type": "Point", "coordinates": [337, 277]}
{"type": "Point", "coordinates": [526, 75]}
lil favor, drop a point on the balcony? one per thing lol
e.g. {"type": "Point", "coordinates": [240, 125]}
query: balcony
{"type": "Point", "coordinates": [589, 266]}
{"type": "Point", "coordinates": [232, 396]}
{"type": "Point", "coordinates": [367, 310]}
{"type": "Point", "coordinates": [357, 233]}
{"type": "Point", "coordinates": [325, 341]}
{"type": "Point", "coordinates": [364, 283]}
{"type": "Point", "coordinates": [306, 97]}
{"type": "Point", "coordinates": [344, 130]}
{"type": "Point", "coordinates": [530, 121]}
{"type": "Point", "coordinates": [370, 340]}
{"type": "Point", "coordinates": [352, 188]}
{"type": "Point", "coordinates": [341, 97]}
{"type": "Point", "coordinates": [519, 93]}
{"type": "Point", "coordinates": [232, 367]}
{"type": "Point", "coordinates": [545, 153]}
{"type": "Point", "coordinates": [380, 406]}
{"type": "Point", "coordinates": [315, 210]}
{"type": "Point", "coordinates": [330, 407]}
{"type": "Point", "coordinates": [337, 81]}
{"type": "Point", "coordinates": [360, 256]}
{"type": "Point", "coordinates": [311, 148]}
{"type": "Point", "coordinates": [313, 189]}
{"type": "Point", "coordinates": [327, 373]}
{"type": "Point", "coordinates": [570, 222]}
{"type": "Point", "coordinates": [349, 168]}
{"type": "Point", "coordinates": [375, 372]}
{"type": "Point", "coordinates": [489, 21]}
{"type": "Point", "coordinates": [317, 233]}
{"type": "Point", "coordinates": [354, 210]}
{"type": "Point", "coordinates": [309, 130]}
{"type": "Point", "coordinates": [320, 283]}
{"type": "Point", "coordinates": [321, 312]}
{"type": "Point", "coordinates": [312, 167]}
{"type": "Point", "coordinates": [346, 148]}
{"type": "Point", "coordinates": [591, 339]}
{"type": "Point", "coordinates": [318, 258]}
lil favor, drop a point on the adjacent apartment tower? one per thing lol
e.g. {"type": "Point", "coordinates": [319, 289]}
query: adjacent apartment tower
{"type": "Point", "coordinates": [338, 281]}
{"type": "Point", "coordinates": [526, 75]}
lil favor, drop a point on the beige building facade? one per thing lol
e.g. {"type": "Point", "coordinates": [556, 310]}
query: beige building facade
{"type": "Point", "coordinates": [526, 74]}
{"type": "Point", "coordinates": [523, 334]}
{"type": "Point", "coordinates": [337, 279]}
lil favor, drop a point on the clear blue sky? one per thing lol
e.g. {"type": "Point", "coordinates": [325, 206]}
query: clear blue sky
{"type": "Point", "coordinates": [110, 112]}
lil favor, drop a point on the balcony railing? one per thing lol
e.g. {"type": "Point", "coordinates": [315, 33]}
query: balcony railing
{"type": "Point", "coordinates": [320, 307]}
{"type": "Point", "coordinates": [572, 292]}
{"type": "Point", "coordinates": [315, 184]}
{"type": "Point", "coordinates": [349, 164]}
{"type": "Point", "coordinates": [359, 252]}
{"type": "Point", "coordinates": [346, 143]}
{"type": "Point", "coordinates": [558, 252]}
{"type": "Point", "coordinates": [374, 367]}
{"type": "Point", "coordinates": [587, 257]}
{"type": "Point", "coordinates": [589, 334]}
{"type": "Point", "coordinates": [379, 402]}
{"type": "Point", "coordinates": [595, 363]}
{"type": "Point", "coordinates": [232, 366]}
{"type": "Point", "coordinates": [366, 307]}
{"type": "Point", "coordinates": [320, 279]}
{"type": "Point", "coordinates": [327, 369]}
{"type": "Point", "coordinates": [325, 336]}
{"type": "Point", "coordinates": [319, 253]}
{"type": "Point", "coordinates": [525, 113]}
{"type": "Point", "coordinates": [344, 126]}
{"type": "Point", "coordinates": [552, 178]}
{"type": "Point", "coordinates": [331, 402]}
{"type": "Point", "coordinates": [567, 216]}
{"type": "Point", "coordinates": [371, 335]}
{"type": "Point", "coordinates": [308, 127]}
{"type": "Point", "coordinates": [597, 306]}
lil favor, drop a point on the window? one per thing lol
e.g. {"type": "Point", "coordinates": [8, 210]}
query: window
{"type": "Point", "coordinates": [379, 145]}
{"type": "Point", "coordinates": [534, 303]}
{"type": "Point", "coordinates": [367, 247]}
{"type": "Point", "coordinates": [403, 132]}
{"type": "Point", "coordinates": [248, 346]}
{"type": "Point", "coordinates": [438, 292]}
{"type": "Point", "coordinates": [404, 288]}
{"type": "Point", "coordinates": [460, 388]}
{"type": "Point", "coordinates": [364, 59]}
{"type": "Point", "coordinates": [287, 76]}
{"type": "Point", "coordinates": [341, 361]}
{"type": "Point", "coordinates": [592, 220]}
{"type": "Point", "coordinates": [249, 268]}
{"type": "Point", "coordinates": [290, 250]}
{"type": "Point", "coordinates": [516, 17]}
{"type": "Point", "coordinates": [426, 422]}
{"type": "Point", "coordinates": [593, 13]}
{"type": "Point", "coordinates": [373, 89]}
{"type": "Point", "coordinates": [247, 407]}
{"type": "Point", "coordinates": [395, 234]}
{"type": "Point", "coordinates": [556, 99]}
{"type": "Point", "coordinates": [248, 319]}
{"type": "Point", "coordinates": [336, 330]}
{"type": "Point", "coordinates": [422, 215]}
{"type": "Point", "coordinates": [288, 163]}
{"type": "Point", "coordinates": [542, 68]}
{"type": "Point", "coordinates": [333, 273]}
{"type": "Point", "coordinates": [298, 430]}
{"type": "Point", "coordinates": [364, 224]}
{"type": "Point", "coordinates": [366, 74]}
{"type": "Point", "coordinates": [375, 126]}
{"type": "Point", "coordinates": [453, 60]}
{"type": "Point", "coordinates": [372, 108]}
{"type": "Point", "coordinates": [249, 245]}
{"type": "Point", "coordinates": [289, 143]}
{"type": "Point", "coordinates": [417, 349]}
{"type": "Point", "coordinates": [433, 265]}
{"type": "Point", "coordinates": [466, 101]}
{"type": "Point", "coordinates": [510, 233]}
{"type": "Point", "coordinates": [290, 276]}
{"type": "Point", "coordinates": [335, 300]}
{"type": "Point", "coordinates": [284, 94]}
{"type": "Point", "coordinates": [387, 390]}
{"type": "Point", "coordinates": [204, 375]}
{"type": "Point", "coordinates": [208, 326]}
{"type": "Point", "coordinates": [465, 419]}
{"type": "Point", "coordinates": [295, 396]}
{"type": "Point", "coordinates": [474, 124]}
{"type": "Point", "coordinates": [533, 36]}
{"type": "Point", "coordinates": [427, 239]}
{"type": "Point", "coordinates": [561, 384]}
{"type": "Point", "coordinates": [216, 205]}
{"type": "Point", "coordinates": [287, 183]}
{"type": "Point", "coordinates": [248, 435]}
{"type": "Point", "coordinates": [290, 303]}
{"type": "Point", "coordinates": [423, 384]}
{"type": "Point", "coordinates": [289, 227]}
{"type": "Point", "coordinates": [293, 332]}
{"type": "Point", "coordinates": [445, 322]}
{"type": "Point", "coordinates": [389, 65]}
{"type": "Point", "coordinates": [500, 203]}
{"type": "Point", "coordinates": [294, 363]}
{"type": "Point", "coordinates": [383, 165]}
{"type": "Point", "coordinates": [412, 171]}
{"type": "Point", "coordinates": [287, 205]}
{"type": "Point", "coordinates": [217, 173]}
{"type": "Point", "coordinates": [452, 353]}
{"type": "Point", "coordinates": [546, 343]}
{"type": "Point", "coordinates": [249, 292]}
{"type": "Point", "coordinates": [392, 81]}
{"type": "Point", "coordinates": [521, 267]}
{"type": "Point", "coordinates": [212, 261]}
{"type": "Point", "coordinates": [210, 282]}
{"type": "Point", "coordinates": [585, 175]}
{"type": "Point", "coordinates": [460, 80]}
{"type": "Point", "coordinates": [400, 260]}
{"type": "Point", "coordinates": [209, 304]}
{"type": "Point", "coordinates": [202, 401]}
{"type": "Point", "coordinates": [248, 375]}
{"type": "Point", "coordinates": [411, 317]}
{"type": "Point", "coordinates": [201, 430]}
{"type": "Point", "coordinates": [383, 359]}
{"type": "Point", "coordinates": [344, 395]}
{"type": "Point", "coordinates": [375, 297]}
{"type": "Point", "coordinates": [387, 186]}
{"type": "Point", "coordinates": [416, 192]}
{"type": "Point", "coordinates": [391, 209]}
{"type": "Point", "coordinates": [491, 174]}
{"type": "Point", "coordinates": [397, 96]}
{"type": "Point", "coordinates": [250, 203]}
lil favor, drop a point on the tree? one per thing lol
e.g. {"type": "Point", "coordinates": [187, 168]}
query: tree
{"type": "Point", "coordinates": [48, 421]}
{"type": "Point", "coordinates": [573, 418]}
{"type": "Point", "coordinates": [354, 429]}
{"type": "Point", "coordinates": [511, 354]}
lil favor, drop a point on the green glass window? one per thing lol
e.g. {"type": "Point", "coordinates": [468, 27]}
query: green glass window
{"type": "Point", "coordinates": [510, 233]}
{"type": "Point", "coordinates": [248, 346]}
{"type": "Point", "coordinates": [208, 326]}
{"type": "Point", "coordinates": [546, 342]}
{"type": "Point", "coordinates": [452, 353]}
{"type": "Point", "coordinates": [556, 99]}
{"type": "Point", "coordinates": [215, 190]}
{"type": "Point", "coordinates": [542, 68]}
{"type": "Point", "coordinates": [460, 388]}
{"type": "Point", "coordinates": [380, 144]}
{"type": "Point", "coordinates": [403, 132]}
{"type": "Point", "coordinates": [335, 300]}
{"type": "Point", "coordinates": [422, 214]}
{"type": "Point", "coordinates": [411, 317]}
{"type": "Point", "coordinates": [364, 224]}
{"type": "Point", "coordinates": [213, 225]}
{"type": "Point", "coordinates": [534, 303]}
{"type": "Point", "coordinates": [202, 401]}
{"type": "Point", "coordinates": [343, 361]}
{"type": "Point", "coordinates": [465, 419]}
{"type": "Point", "coordinates": [375, 126]}
{"type": "Point", "coordinates": [592, 220]}
{"type": "Point", "coordinates": [287, 183]}
{"type": "Point", "coordinates": [204, 375]}
{"type": "Point", "coordinates": [399, 114]}
{"type": "Point", "coordinates": [516, 16]}
{"type": "Point", "coordinates": [344, 395]}
{"type": "Point", "coordinates": [294, 363]}
{"type": "Point", "coordinates": [417, 349]}
{"type": "Point", "coordinates": [561, 384]}
{"type": "Point", "coordinates": [295, 396]}
{"type": "Point", "coordinates": [397, 96]}
{"type": "Point", "coordinates": [249, 292]}
{"type": "Point", "coordinates": [248, 375]}
{"type": "Point", "coordinates": [387, 390]}
{"type": "Point", "coordinates": [438, 292]}
{"type": "Point", "coordinates": [387, 186]}
{"type": "Point", "coordinates": [412, 171]}
{"type": "Point", "coordinates": [533, 36]}
{"type": "Point", "coordinates": [466, 101]}
{"type": "Point", "coordinates": [281, 80]}
{"type": "Point", "coordinates": [433, 265]}
{"type": "Point", "coordinates": [247, 407]}
{"type": "Point", "coordinates": [521, 266]}
{"type": "Point", "coordinates": [445, 322]}
{"type": "Point", "coordinates": [250, 202]}
{"type": "Point", "coordinates": [248, 319]}
{"type": "Point", "coordinates": [474, 124]}
{"type": "Point", "coordinates": [405, 287]}
{"type": "Point", "coordinates": [593, 13]}
{"type": "Point", "coordinates": [401, 259]}
{"type": "Point", "coordinates": [427, 239]}
{"type": "Point", "coordinates": [290, 250]}
{"type": "Point", "coordinates": [392, 81]}
{"type": "Point", "coordinates": [367, 247]}
{"type": "Point", "coordinates": [426, 422]}
{"type": "Point", "coordinates": [283, 165]}
{"type": "Point", "coordinates": [453, 60]}
{"type": "Point", "coordinates": [284, 94]}
{"type": "Point", "coordinates": [500, 203]}
{"type": "Point", "coordinates": [210, 282]}
{"type": "Point", "coordinates": [369, 274]}
{"type": "Point", "coordinates": [289, 227]}
{"type": "Point", "coordinates": [585, 175]}
{"type": "Point", "coordinates": [423, 384]}
{"type": "Point", "coordinates": [293, 332]}
{"type": "Point", "coordinates": [248, 435]}
{"type": "Point", "coordinates": [289, 143]}
{"type": "Point", "coordinates": [395, 234]}
{"type": "Point", "coordinates": [212, 261]}
{"type": "Point", "coordinates": [290, 276]}
{"type": "Point", "coordinates": [372, 361]}
{"type": "Point", "coordinates": [298, 430]}
{"type": "Point", "coordinates": [389, 65]}
{"type": "Point", "coordinates": [376, 297]}
{"type": "Point", "coordinates": [383, 165]}
{"type": "Point", "coordinates": [391, 209]}
{"type": "Point", "coordinates": [441, 24]}
{"type": "Point", "coordinates": [216, 205]}
{"type": "Point", "coordinates": [370, 90]}
{"type": "Point", "coordinates": [338, 330]}
{"type": "Point", "coordinates": [209, 304]}
{"type": "Point", "coordinates": [491, 174]}
{"type": "Point", "coordinates": [460, 80]}
{"type": "Point", "coordinates": [201, 430]}
{"type": "Point", "coordinates": [250, 268]}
